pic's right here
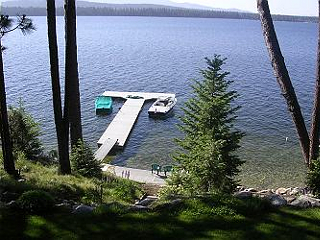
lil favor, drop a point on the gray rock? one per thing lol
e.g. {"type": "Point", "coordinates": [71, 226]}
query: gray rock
{"type": "Point", "coordinates": [276, 200]}
{"type": "Point", "coordinates": [304, 201]}
{"type": "Point", "coordinates": [139, 208]}
{"type": "Point", "coordinates": [240, 188]}
{"type": "Point", "coordinates": [282, 191]}
{"type": "Point", "coordinates": [289, 198]}
{"type": "Point", "coordinates": [13, 205]}
{"type": "Point", "coordinates": [83, 209]}
{"type": "Point", "coordinates": [243, 194]}
{"type": "Point", "coordinates": [295, 192]}
{"type": "Point", "coordinates": [253, 190]}
{"type": "Point", "coordinates": [266, 191]}
{"type": "Point", "coordinates": [64, 205]}
{"type": "Point", "coordinates": [147, 201]}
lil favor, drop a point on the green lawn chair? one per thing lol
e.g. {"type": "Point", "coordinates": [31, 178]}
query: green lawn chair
{"type": "Point", "coordinates": [155, 167]}
{"type": "Point", "coordinates": [166, 169]}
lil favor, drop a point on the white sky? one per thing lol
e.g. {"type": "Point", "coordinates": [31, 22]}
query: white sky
{"type": "Point", "coordinates": [288, 7]}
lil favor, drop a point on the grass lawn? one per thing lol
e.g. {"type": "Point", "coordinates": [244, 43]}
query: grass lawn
{"type": "Point", "coordinates": [213, 217]}
{"type": "Point", "coordinates": [284, 223]}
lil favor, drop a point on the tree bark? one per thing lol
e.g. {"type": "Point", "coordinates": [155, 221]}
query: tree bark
{"type": "Point", "coordinates": [71, 71]}
{"type": "Point", "coordinates": [62, 125]}
{"type": "Point", "coordinates": [315, 128]}
{"type": "Point", "coordinates": [282, 76]}
{"type": "Point", "coordinates": [8, 160]}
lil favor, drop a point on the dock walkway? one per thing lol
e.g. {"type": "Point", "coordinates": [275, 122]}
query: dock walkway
{"type": "Point", "coordinates": [144, 95]}
{"type": "Point", "coordinates": [119, 129]}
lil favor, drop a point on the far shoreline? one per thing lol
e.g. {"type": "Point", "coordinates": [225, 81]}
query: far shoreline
{"type": "Point", "coordinates": [130, 11]}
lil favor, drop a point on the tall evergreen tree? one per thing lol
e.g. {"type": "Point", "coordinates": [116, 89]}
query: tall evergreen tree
{"type": "Point", "coordinates": [61, 119]}
{"type": "Point", "coordinates": [8, 25]}
{"type": "Point", "coordinates": [207, 162]}
{"type": "Point", "coordinates": [71, 72]}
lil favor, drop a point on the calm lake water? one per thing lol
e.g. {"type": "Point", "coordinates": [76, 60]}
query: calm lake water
{"type": "Point", "coordinates": [162, 55]}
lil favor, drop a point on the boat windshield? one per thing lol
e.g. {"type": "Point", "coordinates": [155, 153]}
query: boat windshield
{"type": "Point", "coordinates": [161, 103]}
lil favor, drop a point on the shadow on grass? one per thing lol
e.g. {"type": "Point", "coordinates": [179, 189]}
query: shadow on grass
{"type": "Point", "coordinates": [281, 224]}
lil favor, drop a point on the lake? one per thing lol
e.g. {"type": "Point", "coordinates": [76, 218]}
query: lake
{"type": "Point", "coordinates": [162, 55]}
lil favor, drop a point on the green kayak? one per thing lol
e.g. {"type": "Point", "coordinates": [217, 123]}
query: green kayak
{"type": "Point", "coordinates": [103, 104]}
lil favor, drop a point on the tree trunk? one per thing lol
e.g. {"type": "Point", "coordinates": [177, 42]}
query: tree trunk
{"type": "Point", "coordinates": [8, 160]}
{"type": "Point", "coordinates": [315, 128]}
{"type": "Point", "coordinates": [71, 71]}
{"type": "Point", "coordinates": [282, 76]}
{"type": "Point", "coordinates": [62, 128]}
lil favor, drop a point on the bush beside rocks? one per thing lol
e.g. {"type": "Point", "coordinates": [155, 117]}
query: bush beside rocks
{"type": "Point", "coordinates": [36, 201]}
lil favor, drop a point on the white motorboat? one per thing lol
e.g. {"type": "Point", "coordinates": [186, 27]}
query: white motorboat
{"type": "Point", "coordinates": [162, 106]}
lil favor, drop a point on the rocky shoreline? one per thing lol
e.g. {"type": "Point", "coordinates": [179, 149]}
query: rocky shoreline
{"type": "Point", "coordinates": [295, 197]}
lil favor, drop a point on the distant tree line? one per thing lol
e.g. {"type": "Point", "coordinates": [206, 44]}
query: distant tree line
{"type": "Point", "coordinates": [156, 12]}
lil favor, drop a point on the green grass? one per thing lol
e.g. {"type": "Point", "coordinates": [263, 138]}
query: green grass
{"type": "Point", "coordinates": [280, 224]}
{"type": "Point", "coordinates": [69, 187]}
{"type": "Point", "coordinates": [214, 217]}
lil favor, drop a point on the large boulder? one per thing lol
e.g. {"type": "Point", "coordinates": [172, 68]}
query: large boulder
{"type": "Point", "coordinates": [243, 194]}
{"type": "Point", "coordinates": [83, 209]}
{"type": "Point", "coordinates": [276, 200]}
{"type": "Point", "coordinates": [139, 208]}
{"type": "Point", "coordinates": [305, 201]}
{"type": "Point", "coordinates": [289, 198]}
{"type": "Point", "coordinates": [147, 201]}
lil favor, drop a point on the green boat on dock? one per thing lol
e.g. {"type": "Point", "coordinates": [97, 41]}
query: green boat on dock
{"type": "Point", "coordinates": [103, 105]}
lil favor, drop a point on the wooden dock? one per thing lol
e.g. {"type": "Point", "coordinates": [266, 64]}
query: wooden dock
{"type": "Point", "coordinates": [143, 95]}
{"type": "Point", "coordinates": [119, 129]}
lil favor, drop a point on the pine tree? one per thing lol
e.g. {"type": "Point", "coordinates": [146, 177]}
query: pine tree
{"type": "Point", "coordinates": [25, 132]}
{"type": "Point", "coordinates": [8, 25]}
{"type": "Point", "coordinates": [83, 161]}
{"type": "Point", "coordinates": [207, 162]}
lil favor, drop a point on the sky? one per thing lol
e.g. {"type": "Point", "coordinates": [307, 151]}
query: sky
{"type": "Point", "coordinates": [287, 7]}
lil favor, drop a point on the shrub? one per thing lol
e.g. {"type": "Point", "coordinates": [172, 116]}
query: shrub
{"type": "Point", "coordinates": [313, 177]}
{"type": "Point", "coordinates": [83, 161]}
{"type": "Point", "coordinates": [215, 205]}
{"type": "Point", "coordinates": [25, 132]}
{"type": "Point", "coordinates": [124, 190]}
{"type": "Point", "coordinates": [36, 201]}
